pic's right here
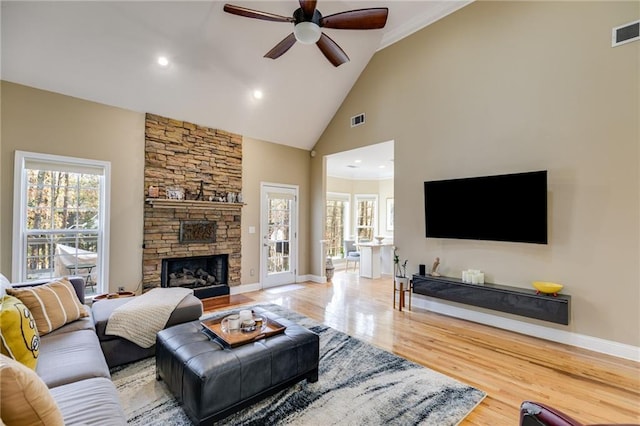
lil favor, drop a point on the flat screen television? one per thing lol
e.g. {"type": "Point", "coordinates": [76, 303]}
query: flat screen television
{"type": "Point", "coordinates": [511, 207]}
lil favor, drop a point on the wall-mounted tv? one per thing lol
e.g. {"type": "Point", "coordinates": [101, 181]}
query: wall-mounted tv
{"type": "Point", "coordinates": [510, 207]}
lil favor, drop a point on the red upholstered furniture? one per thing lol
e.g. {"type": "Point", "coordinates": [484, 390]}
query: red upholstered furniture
{"type": "Point", "coordinates": [537, 414]}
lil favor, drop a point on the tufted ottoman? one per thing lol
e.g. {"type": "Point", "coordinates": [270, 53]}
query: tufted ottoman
{"type": "Point", "coordinates": [212, 382]}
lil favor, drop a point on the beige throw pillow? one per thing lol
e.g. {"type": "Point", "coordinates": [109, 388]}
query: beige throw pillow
{"type": "Point", "coordinates": [25, 399]}
{"type": "Point", "coordinates": [52, 305]}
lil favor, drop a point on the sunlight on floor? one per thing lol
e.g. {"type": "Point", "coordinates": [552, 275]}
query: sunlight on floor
{"type": "Point", "coordinates": [284, 288]}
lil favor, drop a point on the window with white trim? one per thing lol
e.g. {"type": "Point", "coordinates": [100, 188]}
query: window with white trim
{"type": "Point", "coordinates": [366, 207]}
{"type": "Point", "coordinates": [337, 217]}
{"type": "Point", "coordinates": [60, 219]}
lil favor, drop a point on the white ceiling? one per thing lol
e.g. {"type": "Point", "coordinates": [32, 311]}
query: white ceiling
{"type": "Point", "coordinates": [106, 51]}
{"type": "Point", "coordinates": [372, 162]}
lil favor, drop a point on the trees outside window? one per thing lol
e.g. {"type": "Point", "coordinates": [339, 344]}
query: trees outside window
{"type": "Point", "coordinates": [60, 218]}
{"type": "Point", "coordinates": [337, 213]}
{"type": "Point", "coordinates": [365, 216]}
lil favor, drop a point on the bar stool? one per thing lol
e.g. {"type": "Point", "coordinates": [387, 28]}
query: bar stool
{"type": "Point", "coordinates": [401, 286]}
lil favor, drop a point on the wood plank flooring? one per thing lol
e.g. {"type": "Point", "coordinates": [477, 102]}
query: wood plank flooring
{"type": "Point", "coordinates": [510, 367]}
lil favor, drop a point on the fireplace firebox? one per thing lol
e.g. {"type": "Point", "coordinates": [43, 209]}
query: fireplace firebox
{"type": "Point", "coordinates": [206, 275]}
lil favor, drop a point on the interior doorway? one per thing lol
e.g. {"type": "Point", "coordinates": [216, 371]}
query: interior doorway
{"type": "Point", "coordinates": [365, 173]}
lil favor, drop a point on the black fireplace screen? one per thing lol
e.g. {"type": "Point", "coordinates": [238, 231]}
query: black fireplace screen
{"type": "Point", "coordinates": [195, 271]}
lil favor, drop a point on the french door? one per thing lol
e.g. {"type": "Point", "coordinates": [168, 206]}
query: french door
{"type": "Point", "coordinates": [279, 228]}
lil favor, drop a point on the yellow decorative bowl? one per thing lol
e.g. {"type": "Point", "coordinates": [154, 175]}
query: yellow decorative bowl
{"type": "Point", "coordinates": [547, 287]}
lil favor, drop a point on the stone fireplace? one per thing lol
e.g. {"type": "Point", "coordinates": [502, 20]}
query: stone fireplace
{"type": "Point", "coordinates": [203, 164]}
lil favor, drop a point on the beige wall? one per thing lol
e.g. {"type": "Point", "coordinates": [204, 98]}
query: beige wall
{"type": "Point", "coordinates": [44, 122]}
{"type": "Point", "coordinates": [382, 188]}
{"type": "Point", "coordinates": [501, 87]}
{"type": "Point", "coordinates": [40, 121]}
{"type": "Point", "coordinates": [272, 163]}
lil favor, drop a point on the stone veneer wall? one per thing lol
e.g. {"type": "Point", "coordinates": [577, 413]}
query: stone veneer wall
{"type": "Point", "coordinates": [182, 154]}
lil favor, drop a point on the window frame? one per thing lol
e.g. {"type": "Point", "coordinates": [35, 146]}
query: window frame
{"type": "Point", "coordinates": [20, 183]}
{"type": "Point", "coordinates": [346, 226]}
{"type": "Point", "coordinates": [374, 226]}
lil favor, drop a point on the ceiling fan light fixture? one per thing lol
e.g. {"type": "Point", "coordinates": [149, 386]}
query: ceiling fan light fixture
{"type": "Point", "coordinates": [307, 32]}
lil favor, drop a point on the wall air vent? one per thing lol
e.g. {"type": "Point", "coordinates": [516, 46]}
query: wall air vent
{"type": "Point", "coordinates": [625, 34]}
{"type": "Point", "coordinates": [357, 120]}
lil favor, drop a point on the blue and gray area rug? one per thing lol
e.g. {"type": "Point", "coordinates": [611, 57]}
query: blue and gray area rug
{"type": "Point", "coordinates": [358, 384]}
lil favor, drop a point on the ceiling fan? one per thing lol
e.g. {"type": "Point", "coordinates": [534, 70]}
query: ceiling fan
{"type": "Point", "coordinates": [307, 22]}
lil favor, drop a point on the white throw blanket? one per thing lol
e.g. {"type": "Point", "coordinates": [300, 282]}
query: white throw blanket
{"type": "Point", "coordinates": [144, 316]}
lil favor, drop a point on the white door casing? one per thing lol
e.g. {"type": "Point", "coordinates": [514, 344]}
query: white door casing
{"type": "Point", "coordinates": [279, 231]}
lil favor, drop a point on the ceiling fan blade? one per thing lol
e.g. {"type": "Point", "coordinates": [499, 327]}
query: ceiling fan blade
{"type": "Point", "coordinates": [360, 19]}
{"type": "Point", "coordinates": [332, 51]}
{"type": "Point", "coordinates": [281, 48]}
{"type": "Point", "coordinates": [308, 7]}
{"type": "Point", "coordinates": [250, 13]}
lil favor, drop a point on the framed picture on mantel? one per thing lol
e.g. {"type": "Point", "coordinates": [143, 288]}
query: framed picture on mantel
{"type": "Point", "coordinates": [389, 214]}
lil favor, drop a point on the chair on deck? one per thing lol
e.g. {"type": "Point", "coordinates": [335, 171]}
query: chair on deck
{"type": "Point", "coordinates": [351, 253]}
{"type": "Point", "coordinates": [75, 261]}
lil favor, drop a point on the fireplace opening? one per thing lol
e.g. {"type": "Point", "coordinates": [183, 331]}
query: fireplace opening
{"type": "Point", "coordinates": [206, 275]}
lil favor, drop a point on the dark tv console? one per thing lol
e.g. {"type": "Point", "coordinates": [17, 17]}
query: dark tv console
{"type": "Point", "coordinates": [513, 300]}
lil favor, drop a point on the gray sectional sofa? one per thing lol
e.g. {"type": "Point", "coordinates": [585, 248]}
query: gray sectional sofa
{"type": "Point", "coordinates": [74, 369]}
{"type": "Point", "coordinates": [74, 360]}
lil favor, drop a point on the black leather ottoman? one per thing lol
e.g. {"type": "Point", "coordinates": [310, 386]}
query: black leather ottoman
{"type": "Point", "coordinates": [212, 382]}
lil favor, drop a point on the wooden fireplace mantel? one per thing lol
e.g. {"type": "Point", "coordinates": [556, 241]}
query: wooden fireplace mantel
{"type": "Point", "coordinates": [164, 203]}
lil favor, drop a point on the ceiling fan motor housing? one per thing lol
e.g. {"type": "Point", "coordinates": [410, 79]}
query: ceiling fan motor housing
{"type": "Point", "coordinates": [298, 17]}
{"type": "Point", "coordinates": [307, 31]}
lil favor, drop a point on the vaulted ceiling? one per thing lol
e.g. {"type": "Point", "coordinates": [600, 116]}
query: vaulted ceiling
{"type": "Point", "coordinates": [107, 51]}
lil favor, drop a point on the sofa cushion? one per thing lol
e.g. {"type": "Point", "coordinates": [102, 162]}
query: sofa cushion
{"type": "Point", "coordinates": [85, 323]}
{"type": "Point", "coordinates": [101, 311]}
{"type": "Point", "coordinates": [52, 305]}
{"type": "Point", "coordinates": [90, 402]}
{"type": "Point", "coordinates": [4, 285]}
{"type": "Point", "coordinates": [25, 398]}
{"type": "Point", "coordinates": [19, 337]}
{"type": "Point", "coordinates": [188, 309]}
{"type": "Point", "coordinates": [69, 357]}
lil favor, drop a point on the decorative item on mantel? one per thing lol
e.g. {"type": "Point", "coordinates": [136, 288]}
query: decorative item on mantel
{"type": "Point", "coordinates": [154, 192]}
{"type": "Point", "coordinates": [175, 193]}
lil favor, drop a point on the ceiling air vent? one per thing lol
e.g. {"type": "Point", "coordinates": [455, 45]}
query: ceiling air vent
{"type": "Point", "coordinates": [357, 120]}
{"type": "Point", "coordinates": [625, 33]}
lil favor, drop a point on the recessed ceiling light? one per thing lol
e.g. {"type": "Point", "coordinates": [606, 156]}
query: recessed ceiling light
{"type": "Point", "coordinates": [257, 94]}
{"type": "Point", "coordinates": [163, 61]}
{"type": "Point", "coordinates": [358, 161]}
{"type": "Point", "coordinates": [382, 166]}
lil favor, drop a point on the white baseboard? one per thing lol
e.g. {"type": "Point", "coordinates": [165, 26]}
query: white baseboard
{"type": "Point", "coordinates": [595, 344]}
{"type": "Point", "coordinates": [245, 288]}
{"type": "Point", "coordinates": [312, 278]}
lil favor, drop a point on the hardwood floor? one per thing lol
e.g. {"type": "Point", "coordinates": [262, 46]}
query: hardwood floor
{"type": "Point", "coordinates": [509, 367]}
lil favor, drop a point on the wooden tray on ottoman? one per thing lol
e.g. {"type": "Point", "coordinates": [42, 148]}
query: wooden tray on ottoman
{"type": "Point", "coordinates": [213, 328]}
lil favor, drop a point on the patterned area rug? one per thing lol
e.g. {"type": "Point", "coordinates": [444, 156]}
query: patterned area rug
{"type": "Point", "coordinates": [358, 384]}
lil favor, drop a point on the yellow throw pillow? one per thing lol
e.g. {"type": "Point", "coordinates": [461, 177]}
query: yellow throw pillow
{"type": "Point", "coordinates": [25, 399]}
{"type": "Point", "coordinates": [18, 333]}
{"type": "Point", "coordinates": [52, 305]}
